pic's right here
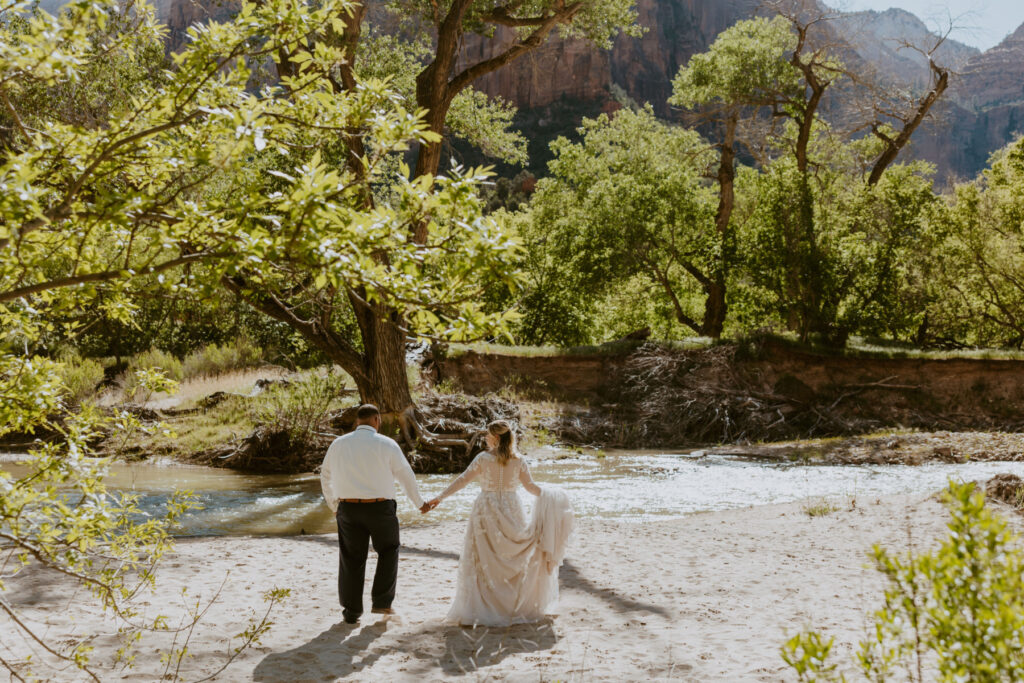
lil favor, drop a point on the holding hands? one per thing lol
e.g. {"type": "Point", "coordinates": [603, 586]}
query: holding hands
{"type": "Point", "coordinates": [430, 505]}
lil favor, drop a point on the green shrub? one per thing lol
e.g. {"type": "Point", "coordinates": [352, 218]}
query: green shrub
{"type": "Point", "coordinates": [139, 365]}
{"type": "Point", "coordinates": [299, 407]}
{"type": "Point", "coordinates": [958, 610]}
{"type": "Point", "coordinates": [80, 376]}
{"type": "Point", "coordinates": [214, 359]}
{"type": "Point", "coordinates": [155, 358]}
{"type": "Point", "coordinates": [807, 654]}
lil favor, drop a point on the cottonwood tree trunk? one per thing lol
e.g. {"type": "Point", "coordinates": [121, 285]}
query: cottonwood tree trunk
{"type": "Point", "coordinates": [383, 380]}
{"type": "Point", "coordinates": [715, 307]}
{"type": "Point", "coordinates": [432, 97]}
{"type": "Point", "coordinates": [378, 370]}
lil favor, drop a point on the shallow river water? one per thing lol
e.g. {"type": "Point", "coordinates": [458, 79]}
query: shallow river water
{"type": "Point", "coordinates": [622, 485]}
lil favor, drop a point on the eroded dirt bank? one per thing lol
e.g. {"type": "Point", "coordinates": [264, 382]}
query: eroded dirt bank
{"type": "Point", "coordinates": [758, 391]}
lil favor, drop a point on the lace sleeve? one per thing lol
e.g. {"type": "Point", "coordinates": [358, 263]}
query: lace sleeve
{"type": "Point", "coordinates": [526, 479]}
{"type": "Point", "coordinates": [460, 482]}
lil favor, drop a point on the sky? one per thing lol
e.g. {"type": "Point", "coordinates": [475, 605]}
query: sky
{"type": "Point", "coordinates": [984, 22]}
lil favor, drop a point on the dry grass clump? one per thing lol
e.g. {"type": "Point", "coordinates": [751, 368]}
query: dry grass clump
{"type": "Point", "coordinates": [236, 382]}
{"type": "Point", "coordinates": [819, 507]}
{"type": "Point", "coordinates": [211, 361]}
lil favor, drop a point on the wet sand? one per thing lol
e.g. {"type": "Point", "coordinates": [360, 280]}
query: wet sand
{"type": "Point", "coordinates": [709, 597]}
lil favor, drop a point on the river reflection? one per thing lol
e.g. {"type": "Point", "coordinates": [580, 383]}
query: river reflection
{"type": "Point", "coordinates": [623, 485]}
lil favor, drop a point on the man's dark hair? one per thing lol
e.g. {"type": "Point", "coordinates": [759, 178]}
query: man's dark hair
{"type": "Point", "coordinates": [366, 412]}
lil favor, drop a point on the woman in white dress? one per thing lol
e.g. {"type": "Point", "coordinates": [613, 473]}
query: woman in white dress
{"type": "Point", "coordinates": [508, 568]}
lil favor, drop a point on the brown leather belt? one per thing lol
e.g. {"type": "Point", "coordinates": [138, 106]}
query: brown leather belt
{"type": "Point", "coordinates": [362, 500]}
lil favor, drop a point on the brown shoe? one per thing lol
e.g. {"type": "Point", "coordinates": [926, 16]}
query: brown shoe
{"type": "Point", "coordinates": [382, 610]}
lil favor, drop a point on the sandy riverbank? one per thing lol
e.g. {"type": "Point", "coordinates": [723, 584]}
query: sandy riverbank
{"type": "Point", "coordinates": [706, 598]}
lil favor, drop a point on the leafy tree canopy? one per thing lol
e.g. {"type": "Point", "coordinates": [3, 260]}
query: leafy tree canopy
{"type": "Point", "coordinates": [184, 181]}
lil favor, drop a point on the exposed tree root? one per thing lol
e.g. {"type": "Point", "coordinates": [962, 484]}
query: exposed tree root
{"type": "Point", "coordinates": [268, 450]}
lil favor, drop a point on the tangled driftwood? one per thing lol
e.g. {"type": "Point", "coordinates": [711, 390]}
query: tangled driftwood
{"type": "Point", "coordinates": [458, 423]}
{"type": "Point", "coordinates": [267, 450]}
{"type": "Point", "coordinates": [1008, 488]}
{"type": "Point", "coordinates": [673, 397]}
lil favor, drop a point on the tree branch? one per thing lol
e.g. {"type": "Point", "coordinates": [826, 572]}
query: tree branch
{"type": "Point", "coordinates": [336, 348]}
{"type": "Point", "coordinates": [534, 40]}
{"type": "Point", "coordinates": [894, 146]}
{"type": "Point", "coordinates": [71, 281]}
{"type": "Point", "coordinates": [14, 617]}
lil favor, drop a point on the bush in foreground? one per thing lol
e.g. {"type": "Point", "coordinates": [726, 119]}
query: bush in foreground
{"type": "Point", "coordinates": [953, 614]}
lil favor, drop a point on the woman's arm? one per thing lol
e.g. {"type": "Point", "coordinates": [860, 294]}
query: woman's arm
{"type": "Point", "coordinates": [461, 481]}
{"type": "Point", "coordinates": [526, 480]}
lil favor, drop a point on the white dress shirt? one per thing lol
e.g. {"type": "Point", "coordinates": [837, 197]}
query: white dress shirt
{"type": "Point", "coordinates": [365, 464]}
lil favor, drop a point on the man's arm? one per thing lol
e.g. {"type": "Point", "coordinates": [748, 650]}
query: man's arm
{"type": "Point", "coordinates": [402, 471]}
{"type": "Point", "coordinates": [330, 497]}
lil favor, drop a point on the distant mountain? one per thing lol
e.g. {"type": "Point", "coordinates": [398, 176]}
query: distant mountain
{"type": "Point", "coordinates": [983, 113]}
{"type": "Point", "coordinates": [564, 80]}
{"type": "Point", "coordinates": [995, 78]}
{"type": "Point", "coordinates": [887, 40]}
{"type": "Point", "coordinates": [642, 68]}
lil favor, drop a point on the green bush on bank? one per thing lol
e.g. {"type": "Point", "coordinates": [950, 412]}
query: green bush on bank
{"type": "Point", "coordinates": [299, 407]}
{"type": "Point", "coordinates": [80, 376]}
{"type": "Point", "coordinates": [216, 359]}
{"type": "Point", "coordinates": [140, 365]}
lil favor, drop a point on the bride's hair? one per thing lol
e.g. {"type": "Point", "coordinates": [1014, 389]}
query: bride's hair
{"type": "Point", "coordinates": [506, 449]}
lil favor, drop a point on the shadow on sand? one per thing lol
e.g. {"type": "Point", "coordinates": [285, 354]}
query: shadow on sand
{"type": "Point", "coordinates": [344, 649]}
{"type": "Point", "coordinates": [569, 577]}
{"type": "Point", "coordinates": [332, 542]}
{"type": "Point", "coordinates": [329, 655]}
{"type": "Point", "coordinates": [467, 649]}
{"type": "Point", "coordinates": [432, 648]}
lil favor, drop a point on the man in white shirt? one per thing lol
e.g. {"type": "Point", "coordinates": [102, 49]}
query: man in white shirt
{"type": "Point", "coordinates": [358, 480]}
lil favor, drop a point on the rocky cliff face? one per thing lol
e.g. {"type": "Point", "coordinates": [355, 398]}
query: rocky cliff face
{"type": "Point", "coordinates": [887, 40]}
{"type": "Point", "coordinates": [995, 78]}
{"type": "Point", "coordinates": [641, 68]}
{"type": "Point", "coordinates": [983, 113]}
{"type": "Point", "coordinates": [565, 80]}
{"type": "Point", "coordinates": [180, 14]}
{"type": "Point", "coordinates": [558, 84]}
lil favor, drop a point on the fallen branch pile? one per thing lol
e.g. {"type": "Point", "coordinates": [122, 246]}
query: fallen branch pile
{"type": "Point", "coordinates": [462, 419]}
{"type": "Point", "coordinates": [672, 397]}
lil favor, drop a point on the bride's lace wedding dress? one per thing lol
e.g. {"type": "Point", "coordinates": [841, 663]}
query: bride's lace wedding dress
{"type": "Point", "coordinates": [508, 571]}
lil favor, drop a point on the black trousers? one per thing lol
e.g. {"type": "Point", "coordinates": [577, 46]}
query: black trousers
{"type": "Point", "coordinates": [358, 524]}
